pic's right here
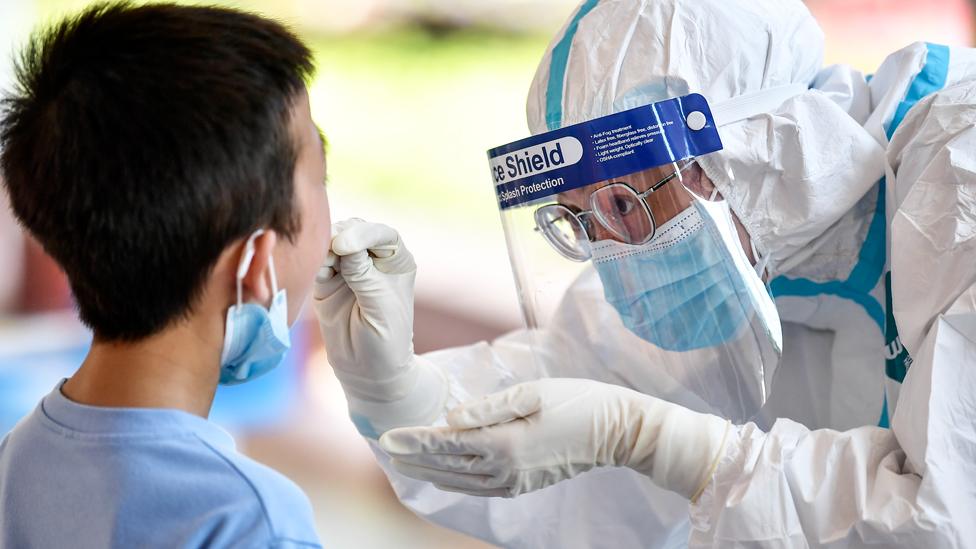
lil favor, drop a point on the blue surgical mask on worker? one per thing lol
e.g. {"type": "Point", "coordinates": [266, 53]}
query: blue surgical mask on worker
{"type": "Point", "coordinates": [256, 338]}
{"type": "Point", "coordinates": [681, 291]}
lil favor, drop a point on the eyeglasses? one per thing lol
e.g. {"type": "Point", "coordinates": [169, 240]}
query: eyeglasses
{"type": "Point", "coordinates": [617, 207]}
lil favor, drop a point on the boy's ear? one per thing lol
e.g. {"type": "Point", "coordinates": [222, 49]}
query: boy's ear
{"type": "Point", "coordinates": [256, 284]}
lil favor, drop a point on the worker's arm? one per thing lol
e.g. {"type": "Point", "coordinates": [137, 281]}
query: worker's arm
{"type": "Point", "coordinates": [910, 486]}
{"type": "Point", "coordinates": [788, 487]}
{"type": "Point", "coordinates": [363, 299]}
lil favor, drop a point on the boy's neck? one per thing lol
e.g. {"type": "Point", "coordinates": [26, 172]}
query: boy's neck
{"type": "Point", "coordinates": [176, 369]}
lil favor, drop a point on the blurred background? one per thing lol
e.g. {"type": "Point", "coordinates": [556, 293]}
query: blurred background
{"type": "Point", "coordinates": [402, 85]}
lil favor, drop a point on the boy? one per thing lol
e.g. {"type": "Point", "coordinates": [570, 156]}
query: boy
{"type": "Point", "coordinates": [165, 156]}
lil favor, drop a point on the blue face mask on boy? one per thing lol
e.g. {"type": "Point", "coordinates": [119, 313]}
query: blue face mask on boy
{"type": "Point", "coordinates": [255, 338]}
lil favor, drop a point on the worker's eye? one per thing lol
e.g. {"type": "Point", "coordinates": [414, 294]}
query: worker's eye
{"type": "Point", "coordinates": [624, 205]}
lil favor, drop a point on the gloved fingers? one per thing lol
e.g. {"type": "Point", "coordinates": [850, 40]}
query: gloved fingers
{"type": "Point", "coordinates": [455, 463]}
{"type": "Point", "coordinates": [489, 493]}
{"type": "Point", "coordinates": [356, 267]}
{"type": "Point", "coordinates": [326, 281]}
{"type": "Point", "coordinates": [399, 261]}
{"type": "Point", "coordinates": [513, 403]}
{"type": "Point", "coordinates": [413, 441]}
{"type": "Point", "coordinates": [340, 227]}
{"type": "Point", "coordinates": [381, 241]}
{"type": "Point", "coordinates": [464, 482]}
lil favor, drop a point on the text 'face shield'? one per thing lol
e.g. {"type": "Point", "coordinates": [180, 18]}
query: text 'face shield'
{"type": "Point", "coordinates": [630, 266]}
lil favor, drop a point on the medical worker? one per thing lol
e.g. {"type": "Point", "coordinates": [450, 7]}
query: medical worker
{"type": "Point", "coordinates": [853, 197]}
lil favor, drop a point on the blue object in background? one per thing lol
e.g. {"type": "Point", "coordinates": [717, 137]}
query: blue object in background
{"type": "Point", "coordinates": [26, 378]}
{"type": "Point", "coordinates": [264, 401]}
{"type": "Point", "coordinates": [30, 372]}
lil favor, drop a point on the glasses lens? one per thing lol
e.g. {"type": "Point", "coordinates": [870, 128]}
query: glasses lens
{"type": "Point", "coordinates": [563, 231]}
{"type": "Point", "coordinates": [623, 213]}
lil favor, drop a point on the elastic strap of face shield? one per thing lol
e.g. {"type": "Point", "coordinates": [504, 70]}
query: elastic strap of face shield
{"type": "Point", "coordinates": [762, 261]}
{"type": "Point", "coordinates": [751, 104]}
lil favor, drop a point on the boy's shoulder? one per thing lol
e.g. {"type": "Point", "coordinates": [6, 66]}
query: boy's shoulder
{"type": "Point", "coordinates": [282, 504]}
{"type": "Point", "coordinates": [141, 477]}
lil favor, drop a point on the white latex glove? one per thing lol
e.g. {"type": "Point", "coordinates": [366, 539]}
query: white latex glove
{"type": "Point", "coordinates": [364, 302]}
{"type": "Point", "coordinates": [538, 433]}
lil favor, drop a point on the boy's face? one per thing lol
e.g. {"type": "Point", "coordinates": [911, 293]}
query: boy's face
{"type": "Point", "coordinates": [296, 263]}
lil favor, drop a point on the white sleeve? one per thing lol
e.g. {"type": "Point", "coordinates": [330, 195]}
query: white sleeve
{"type": "Point", "coordinates": [610, 507]}
{"type": "Point", "coordinates": [910, 486]}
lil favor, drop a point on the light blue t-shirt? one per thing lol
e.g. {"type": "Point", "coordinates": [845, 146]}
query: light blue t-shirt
{"type": "Point", "coordinates": [83, 476]}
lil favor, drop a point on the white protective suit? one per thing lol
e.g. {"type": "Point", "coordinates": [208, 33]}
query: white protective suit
{"type": "Point", "coordinates": [808, 187]}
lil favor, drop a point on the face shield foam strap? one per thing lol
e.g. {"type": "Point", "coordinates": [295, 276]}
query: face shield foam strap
{"type": "Point", "coordinates": [751, 104]}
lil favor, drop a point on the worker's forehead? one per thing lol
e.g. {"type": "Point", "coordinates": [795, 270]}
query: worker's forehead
{"type": "Point", "coordinates": [579, 195]}
{"type": "Point", "coordinates": [640, 181]}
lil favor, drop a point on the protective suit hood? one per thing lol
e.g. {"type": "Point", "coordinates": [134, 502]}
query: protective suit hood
{"type": "Point", "coordinates": [797, 169]}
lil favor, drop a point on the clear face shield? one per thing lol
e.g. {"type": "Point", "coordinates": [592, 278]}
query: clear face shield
{"type": "Point", "coordinates": [630, 266]}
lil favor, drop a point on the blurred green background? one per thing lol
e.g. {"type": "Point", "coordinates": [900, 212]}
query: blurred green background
{"type": "Point", "coordinates": [409, 115]}
{"type": "Point", "coordinates": [411, 94]}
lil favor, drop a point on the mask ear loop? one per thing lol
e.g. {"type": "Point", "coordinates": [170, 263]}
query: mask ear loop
{"type": "Point", "coordinates": [761, 260]}
{"type": "Point", "coordinates": [274, 278]}
{"type": "Point", "coordinates": [245, 264]}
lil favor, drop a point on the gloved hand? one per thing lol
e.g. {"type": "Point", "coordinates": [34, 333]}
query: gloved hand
{"type": "Point", "coordinates": [364, 302]}
{"type": "Point", "coordinates": [538, 433]}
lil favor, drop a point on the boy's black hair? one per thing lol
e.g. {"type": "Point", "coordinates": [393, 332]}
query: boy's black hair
{"type": "Point", "coordinates": [140, 141]}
